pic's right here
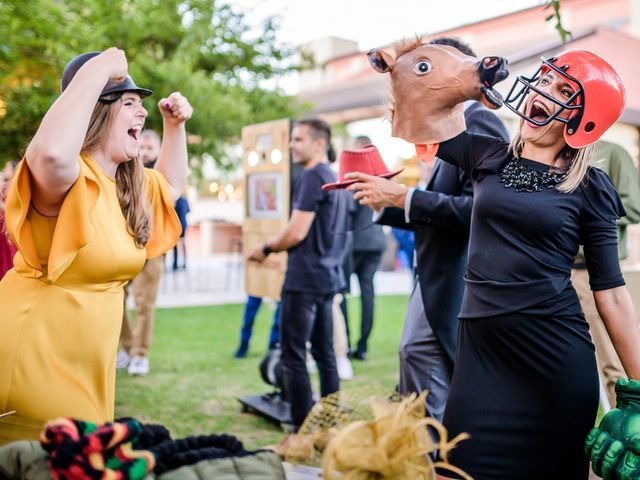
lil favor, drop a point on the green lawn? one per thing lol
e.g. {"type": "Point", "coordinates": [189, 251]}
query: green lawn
{"type": "Point", "coordinates": [194, 379]}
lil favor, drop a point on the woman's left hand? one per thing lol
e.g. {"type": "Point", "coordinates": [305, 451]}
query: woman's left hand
{"type": "Point", "coordinates": [175, 109]}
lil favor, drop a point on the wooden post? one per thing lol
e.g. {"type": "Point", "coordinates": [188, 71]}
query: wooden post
{"type": "Point", "coordinates": [267, 171]}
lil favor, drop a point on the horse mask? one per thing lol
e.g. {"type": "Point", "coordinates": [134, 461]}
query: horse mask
{"type": "Point", "coordinates": [429, 84]}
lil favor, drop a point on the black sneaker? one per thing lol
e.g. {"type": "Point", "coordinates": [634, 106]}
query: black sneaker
{"type": "Point", "coordinates": [241, 352]}
{"type": "Point", "coordinates": [358, 356]}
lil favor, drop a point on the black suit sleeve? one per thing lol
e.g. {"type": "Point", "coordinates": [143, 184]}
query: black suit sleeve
{"type": "Point", "coordinates": [449, 211]}
{"type": "Point", "coordinates": [454, 211]}
{"type": "Point", "coordinates": [484, 122]}
{"type": "Point", "coordinates": [485, 136]}
{"type": "Point", "coordinates": [394, 217]}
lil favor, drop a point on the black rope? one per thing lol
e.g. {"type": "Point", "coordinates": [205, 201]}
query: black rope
{"type": "Point", "coordinates": [172, 454]}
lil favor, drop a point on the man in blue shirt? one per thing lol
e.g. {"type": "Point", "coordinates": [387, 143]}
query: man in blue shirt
{"type": "Point", "coordinates": [314, 239]}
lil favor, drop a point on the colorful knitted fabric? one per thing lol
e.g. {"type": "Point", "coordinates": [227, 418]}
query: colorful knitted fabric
{"type": "Point", "coordinates": [84, 451]}
{"type": "Point", "coordinates": [126, 449]}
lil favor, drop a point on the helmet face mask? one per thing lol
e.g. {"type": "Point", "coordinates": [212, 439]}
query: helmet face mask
{"type": "Point", "coordinates": [595, 105]}
{"type": "Point", "coordinates": [572, 104]}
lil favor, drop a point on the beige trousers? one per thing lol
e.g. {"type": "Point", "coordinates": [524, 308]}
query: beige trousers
{"type": "Point", "coordinates": [145, 290]}
{"type": "Point", "coordinates": [339, 329]}
{"type": "Point", "coordinates": [609, 365]}
{"type": "Point", "coordinates": [340, 348]}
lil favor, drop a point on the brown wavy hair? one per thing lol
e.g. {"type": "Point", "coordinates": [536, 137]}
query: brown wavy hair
{"type": "Point", "coordinates": [129, 175]}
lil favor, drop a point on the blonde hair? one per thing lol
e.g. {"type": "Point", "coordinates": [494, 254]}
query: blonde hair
{"type": "Point", "coordinates": [574, 162]}
{"type": "Point", "coordinates": [129, 176]}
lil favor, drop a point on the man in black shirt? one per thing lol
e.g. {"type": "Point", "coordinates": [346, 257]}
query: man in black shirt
{"type": "Point", "coordinates": [314, 239]}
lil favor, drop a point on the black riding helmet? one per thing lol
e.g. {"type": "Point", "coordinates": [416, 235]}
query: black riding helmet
{"type": "Point", "coordinates": [112, 91]}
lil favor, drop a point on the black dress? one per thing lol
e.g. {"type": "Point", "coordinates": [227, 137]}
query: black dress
{"type": "Point", "coordinates": [525, 385]}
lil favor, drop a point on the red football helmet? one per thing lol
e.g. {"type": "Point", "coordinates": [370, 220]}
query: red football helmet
{"type": "Point", "coordinates": [597, 103]}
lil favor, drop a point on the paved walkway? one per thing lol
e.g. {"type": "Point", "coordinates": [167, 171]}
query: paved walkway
{"type": "Point", "coordinates": [219, 279]}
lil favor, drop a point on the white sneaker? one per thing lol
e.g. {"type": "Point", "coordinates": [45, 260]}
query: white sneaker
{"type": "Point", "coordinates": [139, 365]}
{"type": "Point", "coordinates": [345, 370]}
{"type": "Point", "coordinates": [122, 360]}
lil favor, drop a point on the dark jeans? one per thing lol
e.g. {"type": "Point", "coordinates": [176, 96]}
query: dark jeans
{"type": "Point", "coordinates": [307, 317]}
{"type": "Point", "coordinates": [365, 265]}
{"type": "Point", "coordinates": [250, 312]}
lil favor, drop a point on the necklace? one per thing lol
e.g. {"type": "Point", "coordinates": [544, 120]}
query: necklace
{"type": "Point", "coordinates": [516, 174]}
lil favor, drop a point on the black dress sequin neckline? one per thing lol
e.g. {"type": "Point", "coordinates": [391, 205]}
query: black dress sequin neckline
{"type": "Point", "coordinates": [518, 175]}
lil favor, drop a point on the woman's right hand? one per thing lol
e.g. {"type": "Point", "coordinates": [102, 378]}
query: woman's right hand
{"type": "Point", "coordinates": [114, 61]}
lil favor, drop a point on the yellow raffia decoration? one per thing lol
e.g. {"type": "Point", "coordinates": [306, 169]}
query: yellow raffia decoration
{"type": "Point", "coordinates": [369, 437]}
{"type": "Point", "coordinates": [395, 445]}
{"type": "Point", "coordinates": [326, 417]}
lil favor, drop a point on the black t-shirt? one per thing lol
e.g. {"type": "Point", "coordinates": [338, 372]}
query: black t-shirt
{"type": "Point", "coordinates": [522, 244]}
{"type": "Point", "coordinates": [315, 264]}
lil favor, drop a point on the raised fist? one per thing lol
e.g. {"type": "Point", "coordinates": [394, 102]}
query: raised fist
{"type": "Point", "coordinates": [614, 446]}
{"type": "Point", "coordinates": [175, 108]}
{"type": "Point", "coordinates": [115, 63]}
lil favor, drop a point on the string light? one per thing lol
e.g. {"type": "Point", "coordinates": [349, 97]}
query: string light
{"type": "Point", "coordinates": [276, 156]}
{"type": "Point", "coordinates": [253, 158]}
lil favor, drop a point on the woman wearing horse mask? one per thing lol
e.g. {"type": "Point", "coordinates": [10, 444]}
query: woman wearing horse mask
{"type": "Point", "coordinates": [85, 215]}
{"type": "Point", "coordinates": [525, 385]}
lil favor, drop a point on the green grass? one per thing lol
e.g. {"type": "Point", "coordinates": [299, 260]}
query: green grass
{"type": "Point", "coordinates": [194, 379]}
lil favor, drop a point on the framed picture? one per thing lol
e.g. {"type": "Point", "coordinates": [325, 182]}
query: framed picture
{"type": "Point", "coordinates": [265, 195]}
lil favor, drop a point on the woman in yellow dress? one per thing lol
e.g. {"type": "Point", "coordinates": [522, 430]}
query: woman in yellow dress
{"type": "Point", "coordinates": [84, 214]}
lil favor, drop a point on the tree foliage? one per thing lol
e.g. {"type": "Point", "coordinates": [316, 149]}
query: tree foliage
{"type": "Point", "coordinates": [202, 48]}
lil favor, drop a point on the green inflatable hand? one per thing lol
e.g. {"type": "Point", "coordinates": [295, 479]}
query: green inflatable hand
{"type": "Point", "coordinates": [614, 446]}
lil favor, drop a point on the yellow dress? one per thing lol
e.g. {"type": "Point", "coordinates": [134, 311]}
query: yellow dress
{"type": "Point", "coordinates": [61, 304]}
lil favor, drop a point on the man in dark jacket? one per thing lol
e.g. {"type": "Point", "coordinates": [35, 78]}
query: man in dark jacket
{"type": "Point", "coordinates": [367, 247]}
{"type": "Point", "coordinates": [440, 218]}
